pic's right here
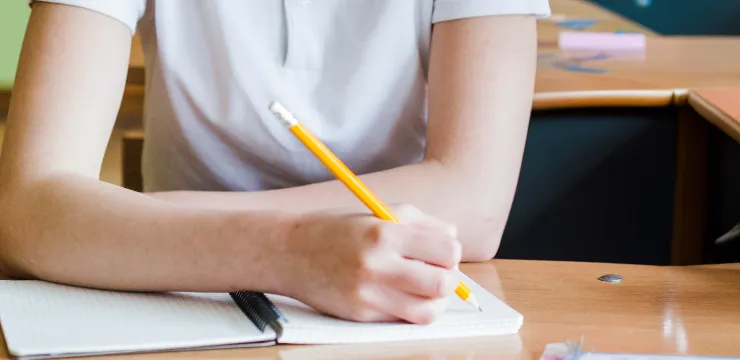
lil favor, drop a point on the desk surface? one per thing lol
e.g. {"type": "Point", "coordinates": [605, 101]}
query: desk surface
{"type": "Point", "coordinates": [720, 106]}
{"type": "Point", "coordinates": [670, 66]}
{"type": "Point", "coordinates": [603, 19]}
{"type": "Point", "coordinates": [657, 310]}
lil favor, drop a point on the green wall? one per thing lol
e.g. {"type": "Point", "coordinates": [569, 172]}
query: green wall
{"type": "Point", "coordinates": [13, 18]}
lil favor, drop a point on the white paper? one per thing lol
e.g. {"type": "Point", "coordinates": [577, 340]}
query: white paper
{"type": "Point", "coordinates": [42, 318]}
{"type": "Point", "coordinates": [306, 326]}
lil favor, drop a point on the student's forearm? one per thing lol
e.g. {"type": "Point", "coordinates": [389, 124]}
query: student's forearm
{"type": "Point", "coordinates": [78, 230]}
{"type": "Point", "coordinates": [436, 190]}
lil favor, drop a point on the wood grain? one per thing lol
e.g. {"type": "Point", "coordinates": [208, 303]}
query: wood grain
{"type": "Point", "coordinates": [655, 310]}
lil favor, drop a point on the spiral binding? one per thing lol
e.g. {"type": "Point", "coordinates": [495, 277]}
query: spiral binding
{"type": "Point", "coordinates": [258, 308]}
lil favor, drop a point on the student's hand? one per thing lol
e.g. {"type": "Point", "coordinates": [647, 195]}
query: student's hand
{"type": "Point", "coordinates": [361, 268]}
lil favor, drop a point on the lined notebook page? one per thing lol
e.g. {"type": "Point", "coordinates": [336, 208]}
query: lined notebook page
{"type": "Point", "coordinates": [306, 326]}
{"type": "Point", "coordinates": [45, 318]}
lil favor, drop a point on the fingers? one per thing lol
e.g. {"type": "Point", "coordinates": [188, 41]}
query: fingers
{"type": "Point", "coordinates": [421, 279]}
{"type": "Point", "coordinates": [409, 307]}
{"type": "Point", "coordinates": [427, 239]}
{"type": "Point", "coordinates": [431, 247]}
{"type": "Point", "coordinates": [410, 215]}
{"type": "Point", "coordinates": [408, 269]}
{"type": "Point", "coordinates": [393, 288]}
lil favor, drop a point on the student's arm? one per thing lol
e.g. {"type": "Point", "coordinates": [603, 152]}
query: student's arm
{"type": "Point", "coordinates": [59, 223]}
{"type": "Point", "coordinates": [481, 85]}
{"type": "Point", "coordinates": [57, 220]}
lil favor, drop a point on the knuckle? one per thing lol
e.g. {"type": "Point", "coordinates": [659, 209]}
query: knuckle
{"type": "Point", "coordinates": [363, 315]}
{"type": "Point", "coordinates": [452, 231]}
{"type": "Point", "coordinates": [380, 235]}
{"type": "Point", "coordinates": [432, 310]}
{"type": "Point", "coordinates": [367, 270]}
{"type": "Point", "coordinates": [440, 285]}
{"type": "Point", "coordinates": [407, 208]}
{"type": "Point", "coordinates": [422, 314]}
{"type": "Point", "coordinates": [361, 300]}
{"type": "Point", "coordinates": [450, 251]}
{"type": "Point", "coordinates": [407, 211]}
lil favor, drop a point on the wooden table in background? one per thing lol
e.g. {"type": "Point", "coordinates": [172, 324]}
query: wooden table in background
{"type": "Point", "coordinates": [662, 75]}
{"type": "Point", "coordinates": [654, 310]}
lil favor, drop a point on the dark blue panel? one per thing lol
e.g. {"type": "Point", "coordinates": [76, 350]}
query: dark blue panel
{"type": "Point", "coordinates": [680, 17]}
{"type": "Point", "coordinates": [596, 185]}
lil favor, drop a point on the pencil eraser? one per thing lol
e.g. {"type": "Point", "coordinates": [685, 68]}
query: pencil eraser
{"type": "Point", "coordinates": [601, 40]}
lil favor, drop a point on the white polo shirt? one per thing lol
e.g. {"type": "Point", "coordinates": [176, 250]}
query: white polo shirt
{"type": "Point", "coordinates": [354, 71]}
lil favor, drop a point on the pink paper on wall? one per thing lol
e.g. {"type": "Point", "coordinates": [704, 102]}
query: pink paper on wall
{"type": "Point", "coordinates": [569, 40]}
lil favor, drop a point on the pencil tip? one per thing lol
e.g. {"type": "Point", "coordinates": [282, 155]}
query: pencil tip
{"type": "Point", "coordinates": [479, 308]}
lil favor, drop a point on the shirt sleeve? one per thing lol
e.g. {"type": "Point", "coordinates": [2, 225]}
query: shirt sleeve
{"type": "Point", "coordinates": [128, 12]}
{"type": "Point", "coordinates": [445, 10]}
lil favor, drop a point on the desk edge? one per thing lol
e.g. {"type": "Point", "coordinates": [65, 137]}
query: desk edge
{"type": "Point", "coordinates": [714, 115]}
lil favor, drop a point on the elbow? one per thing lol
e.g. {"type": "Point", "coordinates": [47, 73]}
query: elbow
{"type": "Point", "coordinates": [13, 257]}
{"type": "Point", "coordinates": [483, 239]}
{"type": "Point", "coordinates": [485, 251]}
{"type": "Point", "coordinates": [11, 265]}
{"type": "Point", "coordinates": [480, 212]}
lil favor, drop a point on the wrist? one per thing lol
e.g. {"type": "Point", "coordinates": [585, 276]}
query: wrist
{"type": "Point", "coordinates": [274, 270]}
{"type": "Point", "coordinates": [294, 263]}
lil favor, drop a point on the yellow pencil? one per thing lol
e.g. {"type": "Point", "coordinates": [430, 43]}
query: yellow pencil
{"type": "Point", "coordinates": [346, 176]}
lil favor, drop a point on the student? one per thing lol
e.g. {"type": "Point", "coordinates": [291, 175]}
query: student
{"type": "Point", "coordinates": [232, 199]}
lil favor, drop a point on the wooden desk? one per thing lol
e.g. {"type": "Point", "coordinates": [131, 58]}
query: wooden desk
{"type": "Point", "coordinates": [656, 310]}
{"type": "Point", "coordinates": [720, 106]}
{"type": "Point", "coordinates": [661, 76]}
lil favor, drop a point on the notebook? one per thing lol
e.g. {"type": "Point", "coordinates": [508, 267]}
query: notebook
{"type": "Point", "coordinates": [48, 320]}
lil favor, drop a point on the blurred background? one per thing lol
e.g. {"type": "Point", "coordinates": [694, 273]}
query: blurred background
{"type": "Point", "coordinates": [589, 209]}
